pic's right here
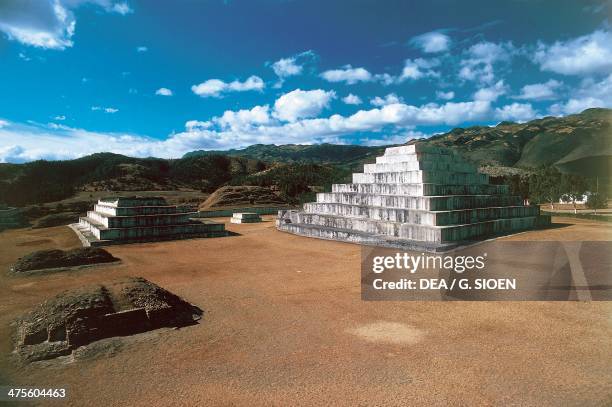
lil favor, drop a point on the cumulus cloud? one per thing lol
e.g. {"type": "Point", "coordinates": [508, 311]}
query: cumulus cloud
{"type": "Point", "coordinates": [245, 119]}
{"type": "Point", "coordinates": [217, 87]}
{"type": "Point", "coordinates": [351, 99]}
{"type": "Point", "coordinates": [390, 99]}
{"type": "Point", "coordinates": [192, 125]}
{"type": "Point", "coordinates": [351, 76]}
{"type": "Point", "coordinates": [47, 24]}
{"type": "Point", "coordinates": [347, 74]}
{"type": "Point", "coordinates": [292, 119]}
{"type": "Point", "coordinates": [540, 91]}
{"type": "Point", "coordinates": [479, 60]}
{"type": "Point", "coordinates": [491, 93]}
{"type": "Point", "coordinates": [163, 92]}
{"type": "Point", "coordinates": [445, 95]}
{"type": "Point", "coordinates": [419, 68]}
{"type": "Point", "coordinates": [291, 66]}
{"type": "Point", "coordinates": [299, 104]}
{"type": "Point", "coordinates": [589, 54]}
{"type": "Point", "coordinates": [590, 93]}
{"type": "Point", "coordinates": [432, 42]}
{"type": "Point", "coordinates": [517, 112]}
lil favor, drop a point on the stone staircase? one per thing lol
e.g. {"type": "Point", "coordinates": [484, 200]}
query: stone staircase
{"type": "Point", "coordinates": [138, 219]}
{"type": "Point", "coordinates": [415, 197]}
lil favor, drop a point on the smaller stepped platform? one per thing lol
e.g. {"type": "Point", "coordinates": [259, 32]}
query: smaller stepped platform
{"type": "Point", "coordinates": [245, 217]}
{"type": "Point", "coordinates": [138, 219]}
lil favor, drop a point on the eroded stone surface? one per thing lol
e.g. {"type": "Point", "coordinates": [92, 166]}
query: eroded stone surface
{"type": "Point", "coordinates": [76, 318]}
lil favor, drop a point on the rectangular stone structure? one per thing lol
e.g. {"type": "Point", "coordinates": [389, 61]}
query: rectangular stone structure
{"type": "Point", "coordinates": [245, 217]}
{"type": "Point", "coordinates": [141, 219]}
{"type": "Point", "coordinates": [415, 197]}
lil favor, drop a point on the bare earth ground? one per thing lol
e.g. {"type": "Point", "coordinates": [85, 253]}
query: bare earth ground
{"type": "Point", "coordinates": [284, 325]}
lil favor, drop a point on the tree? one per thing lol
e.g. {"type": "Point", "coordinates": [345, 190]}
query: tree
{"type": "Point", "coordinates": [544, 186]}
{"type": "Point", "coordinates": [573, 188]}
{"type": "Point", "coordinates": [597, 200]}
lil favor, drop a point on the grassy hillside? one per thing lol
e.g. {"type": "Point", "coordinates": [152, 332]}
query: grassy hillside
{"type": "Point", "coordinates": [46, 181]}
{"type": "Point", "coordinates": [579, 143]}
{"type": "Point", "coordinates": [541, 142]}
{"type": "Point", "coordinates": [304, 154]}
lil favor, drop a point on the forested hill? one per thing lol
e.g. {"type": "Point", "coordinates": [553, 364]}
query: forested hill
{"type": "Point", "coordinates": [45, 181]}
{"type": "Point", "coordinates": [547, 141]}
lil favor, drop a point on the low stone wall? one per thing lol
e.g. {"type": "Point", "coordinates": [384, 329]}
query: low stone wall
{"type": "Point", "coordinates": [226, 213]}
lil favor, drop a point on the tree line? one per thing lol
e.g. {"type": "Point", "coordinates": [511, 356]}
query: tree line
{"type": "Point", "coordinates": [546, 185]}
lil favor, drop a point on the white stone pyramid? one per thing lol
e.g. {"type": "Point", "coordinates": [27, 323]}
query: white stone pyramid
{"type": "Point", "coordinates": [415, 197]}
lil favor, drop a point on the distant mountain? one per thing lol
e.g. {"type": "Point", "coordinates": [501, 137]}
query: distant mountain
{"type": "Point", "coordinates": [305, 154]}
{"type": "Point", "coordinates": [566, 142]}
{"type": "Point", "coordinates": [548, 141]}
{"type": "Point", "coordinates": [46, 181]}
{"type": "Point", "coordinates": [579, 143]}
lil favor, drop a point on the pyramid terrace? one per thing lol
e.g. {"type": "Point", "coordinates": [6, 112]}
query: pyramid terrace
{"type": "Point", "coordinates": [415, 197]}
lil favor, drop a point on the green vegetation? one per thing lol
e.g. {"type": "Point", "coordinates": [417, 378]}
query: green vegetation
{"type": "Point", "coordinates": [294, 181]}
{"type": "Point", "coordinates": [48, 181]}
{"type": "Point", "coordinates": [304, 154]}
{"type": "Point", "coordinates": [597, 200]}
{"type": "Point", "coordinates": [532, 157]}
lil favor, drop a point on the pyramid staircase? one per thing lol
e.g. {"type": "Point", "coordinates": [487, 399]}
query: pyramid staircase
{"type": "Point", "coordinates": [415, 197]}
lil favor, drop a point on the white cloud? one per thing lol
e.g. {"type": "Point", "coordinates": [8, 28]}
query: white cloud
{"type": "Point", "coordinates": [390, 99]}
{"type": "Point", "coordinates": [479, 60]}
{"type": "Point", "coordinates": [584, 55]}
{"type": "Point", "coordinates": [289, 122]}
{"type": "Point", "coordinates": [589, 94]}
{"type": "Point", "coordinates": [540, 91]}
{"type": "Point", "coordinates": [445, 95]}
{"type": "Point", "coordinates": [347, 74]}
{"type": "Point", "coordinates": [47, 24]}
{"type": "Point", "coordinates": [245, 119]}
{"type": "Point", "coordinates": [122, 8]}
{"type": "Point", "coordinates": [491, 93]}
{"type": "Point", "coordinates": [60, 118]}
{"type": "Point", "coordinates": [351, 99]}
{"type": "Point", "coordinates": [216, 87]}
{"type": "Point", "coordinates": [517, 112]}
{"type": "Point", "coordinates": [104, 109]}
{"type": "Point", "coordinates": [192, 125]}
{"type": "Point", "coordinates": [142, 48]}
{"type": "Point", "coordinates": [3, 123]}
{"type": "Point", "coordinates": [291, 66]}
{"type": "Point", "coordinates": [163, 92]}
{"type": "Point", "coordinates": [299, 104]}
{"type": "Point", "coordinates": [419, 68]}
{"type": "Point", "coordinates": [432, 42]}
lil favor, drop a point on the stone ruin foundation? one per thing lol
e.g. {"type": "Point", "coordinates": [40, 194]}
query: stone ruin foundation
{"type": "Point", "coordinates": [415, 197]}
{"type": "Point", "coordinates": [76, 318]}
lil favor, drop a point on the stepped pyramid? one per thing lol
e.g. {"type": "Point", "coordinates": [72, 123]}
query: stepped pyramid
{"type": "Point", "coordinates": [140, 219]}
{"type": "Point", "coordinates": [415, 197]}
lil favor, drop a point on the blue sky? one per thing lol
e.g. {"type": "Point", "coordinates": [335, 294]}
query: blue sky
{"type": "Point", "coordinates": [159, 78]}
